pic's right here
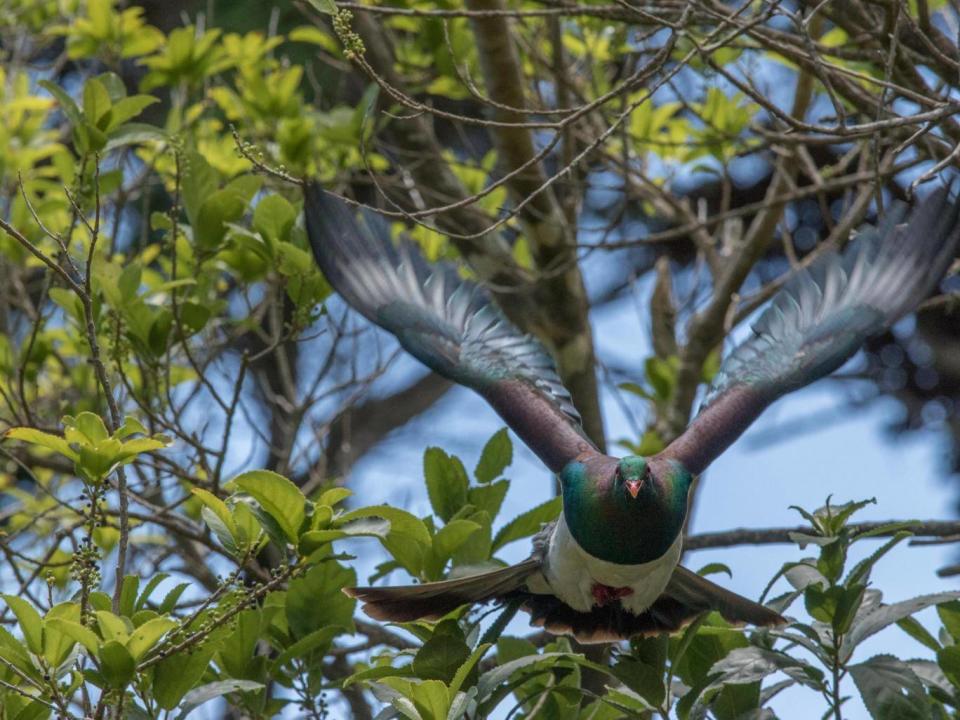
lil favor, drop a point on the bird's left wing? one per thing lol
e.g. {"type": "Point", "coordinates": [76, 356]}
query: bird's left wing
{"type": "Point", "coordinates": [819, 319]}
{"type": "Point", "coordinates": [447, 323]}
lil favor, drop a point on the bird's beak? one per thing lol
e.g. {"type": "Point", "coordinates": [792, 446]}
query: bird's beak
{"type": "Point", "coordinates": [633, 487]}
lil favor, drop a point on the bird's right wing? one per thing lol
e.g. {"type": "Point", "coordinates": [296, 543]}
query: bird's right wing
{"type": "Point", "coordinates": [447, 323]}
{"type": "Point", "coordinates": [820, 318]}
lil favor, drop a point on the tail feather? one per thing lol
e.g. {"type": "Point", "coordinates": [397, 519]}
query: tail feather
{"type": "Point", "coordinates": [430, 601]}
{"type": "Point", "coordinates": [608, 623]}
{"type": "Point", "coordinates": [700, 594]}
{"type": "Point", "coordinates": [686, 597]}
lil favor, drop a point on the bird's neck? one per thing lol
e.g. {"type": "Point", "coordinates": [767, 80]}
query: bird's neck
{"type": "Point", "coordinates": [612, 526]}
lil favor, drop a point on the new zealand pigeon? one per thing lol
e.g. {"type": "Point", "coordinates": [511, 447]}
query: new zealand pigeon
{"type": "Point", "coordinates": [607, 568]}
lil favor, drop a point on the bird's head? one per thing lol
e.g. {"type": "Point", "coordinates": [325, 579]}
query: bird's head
{"type": "Point", "coordinates": [628, 510]}
{"type": "Point", "coordinates": [641, 482]}
{"type": "Point", "coordinates": [632, 476]}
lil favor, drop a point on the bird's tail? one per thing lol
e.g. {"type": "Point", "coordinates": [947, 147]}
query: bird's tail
{"type": "Point", "coordinates": [433, 600]}
{"type": "Point", "coordinates": [686, 597]}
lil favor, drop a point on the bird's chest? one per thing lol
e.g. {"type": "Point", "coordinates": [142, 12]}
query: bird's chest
{"type": "Point", "coordinates": [582, 580]}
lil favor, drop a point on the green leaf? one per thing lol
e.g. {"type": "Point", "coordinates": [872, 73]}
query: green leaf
{"type": "Point", "coordinates": [489, 498]}
{"type": "Point", "coordinates": [316, 642]}
{"type": "Point", "coordinates": [131, 449]}
{"type": "Point", "coordinates": [198, 696]}
{"type": "Point", "coordinates": [273, 217]}
{"type": "Point", "coordinates": [334, 496]}
{"type": "Point", "coordinates": [376, 672]}
{"type": "Point", "coordinates": [30, 623]}
{"type": "Point", "coordinates": [408, 541]}
{"type": "Point", "coordinates": [949, 613]}
{"type": "Point", "coordinates": [447, 482]}
{"type": "Point", "coordinates": [327, 7]}
{"type": "Point", "coordinates": [643, 679]}
{"type": "Point", "coordinates": [171, 598]}
{"type": "Point", "coordinates": [715, 569]}
{"type": "Point", "coordinates": [114, 85]}
{"type": "Point", "coordinates": [135, 134]}
{"type": "Point", "coordinates": [890, 689]}
{"type": "Point", "coordinates": [194, 315]}
{"type": "Point", "coordinates": [501, 673]}
{"type": "Point", "coordinates": [219, 510]}
{"type": "Point", "coordinates": [528, 523]}
{"type": "Point", "coordinates": [200, 181]}
{"type": "Point", "coordinates": [312, 540]}
{"type": "Point", "coordinates": [633, 388]}
{"type": "Point", "coordinates": [116, 664]}
{"type": "Point", "coordinates": [67, 104]}
{"type": "Point", "coordinates": [129, 107]}
{"type": "Point", "coordinates": [839, 514]}
{"type": "Point", "coordinates": [237, 650]}
{"type": "Point", "coordinates": [146, 636]}
{"type": "Point", "coordinates": [451, 536]}
{"type": "Point", "coordinates": [16, 653]}
{"type": "Point", "coordinates": [56, 645]}
{"type": "Point", "coordinates": [314, 36]}
{"type": "Point", "coordinates": [465, 670]}
{"type": "Point", "coordinates": [112, 627]}
{"type": "Point", "coordinates": [176, 674]}
{"type": "Point", "coordinates": [496, 457]}
{"type": "Point", "coordinates": [128, 283]}
{"type": "Point", "coordinates": [221, 207]}
{"type": "Point", "coordinates": [886, 615]}
{"type": "Point", "coordinates": [96, 101]}
{"type": "Point", "coordinates": [848, 604]}
{"type": "Point", "coordinates": [918, 632]}
{"type": "Point", "coordinates": [223, 533]}
{"type": "Point", "coordinates": [316, 600]}
{"type": "Point", "coordinates": [77, 632]}
{"type": "Point", "coordinates": [439, 658]}
{"type": "Point", "coordinates": [948, 659]}
{"type": "Point", "coordinates": [430, 698]}
{"type": "Point", "coordinates": [128, 594]}
{"type": "Point", "coordinates": [37, 437]}
{"type": "Point", "coordinates": [745, 665]}
{"type": "Point", "coordinates": [279, 497]}
{"type": "Point", "coordinates": [662, 376]}
{"type": "Point", "coordinates": [90, 425]}
{"type": "Point", "coordinates": [861, 571]}
{"type": "Point", "coordinates": [131, 426]}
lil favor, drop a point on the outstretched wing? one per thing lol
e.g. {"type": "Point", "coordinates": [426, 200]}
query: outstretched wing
{"type": "Point", "coordinates": [447, 323]}
{"type": "Point", "coordinates": [820, 318]}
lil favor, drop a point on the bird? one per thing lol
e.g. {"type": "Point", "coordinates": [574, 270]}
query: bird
{"type": "Point", "coordinates": [607, 568]}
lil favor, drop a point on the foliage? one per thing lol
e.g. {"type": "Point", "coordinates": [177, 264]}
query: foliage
{"type": "Point", "coordinates": [177, 385]}
{"type": "Point", "coordinates": [149, 652]}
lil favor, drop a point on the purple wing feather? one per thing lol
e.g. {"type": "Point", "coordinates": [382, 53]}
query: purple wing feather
{"type": "Point", "coordinates": [820, 318]}
{"type": "Point", "coordinates": [447, 323]}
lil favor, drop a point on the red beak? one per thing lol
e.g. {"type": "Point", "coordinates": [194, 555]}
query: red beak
{"type": "Point", "coordinates": [633, 487]}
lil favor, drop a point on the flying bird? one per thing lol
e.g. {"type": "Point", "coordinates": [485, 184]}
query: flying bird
{"type": "Point", "coordinates": [607, 568]}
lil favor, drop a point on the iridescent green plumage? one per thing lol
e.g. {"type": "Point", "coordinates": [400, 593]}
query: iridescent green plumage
{"type": "Point", "coordinates": [612, 524]}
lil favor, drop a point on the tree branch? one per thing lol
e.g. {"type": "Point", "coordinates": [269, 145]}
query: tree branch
{"type": "Point", "coordinates": [779, 536]}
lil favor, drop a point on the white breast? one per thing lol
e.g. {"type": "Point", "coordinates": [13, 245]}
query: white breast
{"type": "Point", "coordinates": [570, 572]}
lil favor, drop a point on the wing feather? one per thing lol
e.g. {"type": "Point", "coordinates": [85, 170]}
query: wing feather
{"type": "Point", "coordinates": [447, 323]}
{"type": "Point", "coordinates": [821, 317]}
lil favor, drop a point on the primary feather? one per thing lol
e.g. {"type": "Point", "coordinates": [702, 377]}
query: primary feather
{"type": "Point", "coordinates": [446, 322]}
{"type": "Point", "coordinates": [821, 317]}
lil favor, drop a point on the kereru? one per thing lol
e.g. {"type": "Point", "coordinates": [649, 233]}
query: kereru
{"type": "Point", "coordinates": [607, 568]}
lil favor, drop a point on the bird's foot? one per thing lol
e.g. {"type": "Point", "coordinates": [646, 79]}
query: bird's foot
{"type": "Point", "coordinates": [604, 594]}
